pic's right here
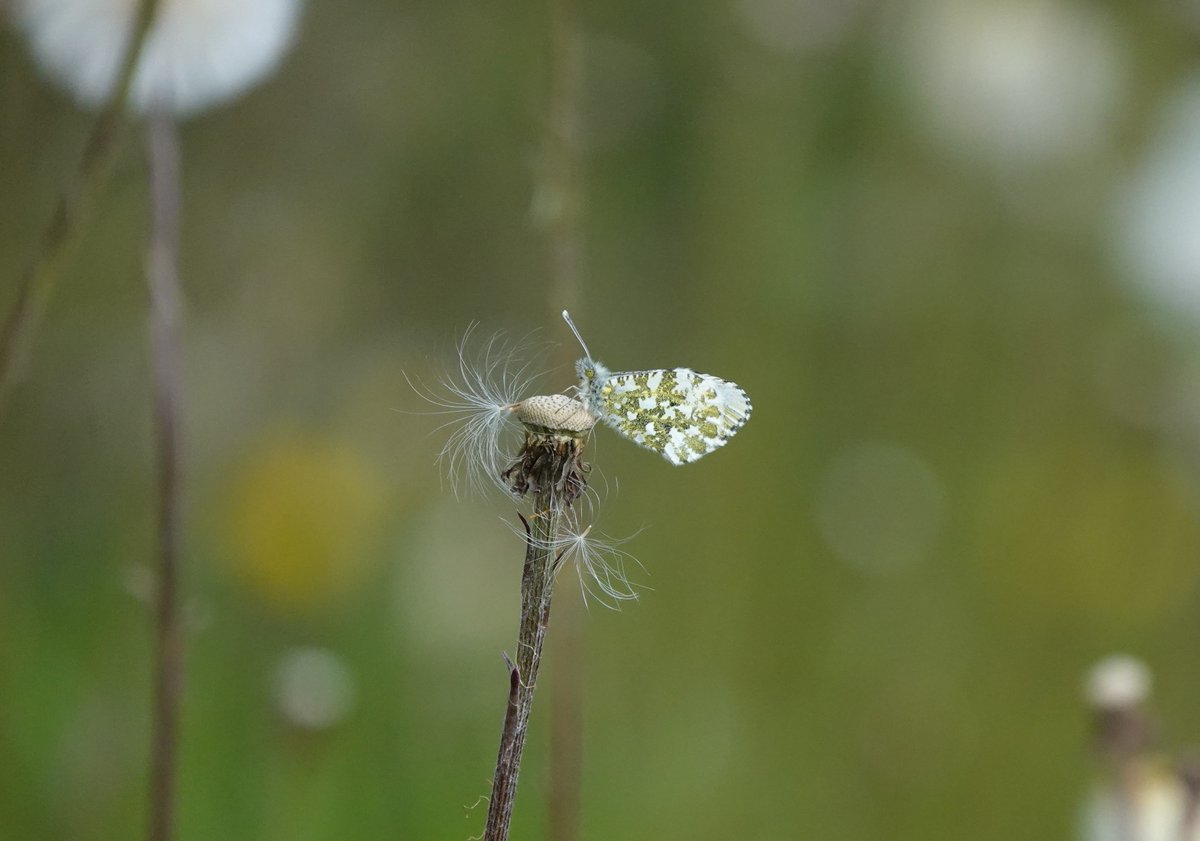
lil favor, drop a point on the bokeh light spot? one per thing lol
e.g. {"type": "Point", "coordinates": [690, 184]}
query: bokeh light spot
{"type": "Point", "coordinates": [313, 688]}
{"type": "Point", "coordinates": [881, 507]}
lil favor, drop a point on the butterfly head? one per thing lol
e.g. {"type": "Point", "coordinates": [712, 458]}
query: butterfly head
{"type": "Point", "coordinates": [590, 372]}
{"type": "Point", "coordinates": [592, 377]}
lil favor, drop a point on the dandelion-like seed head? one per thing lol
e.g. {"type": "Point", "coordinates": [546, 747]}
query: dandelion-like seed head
{"type": "Point", "coordinates": [197, 53]}
{"type": "Point", "coordinates": [1117, 682]}
{"type": "Point", "coordinates": [486, 393]}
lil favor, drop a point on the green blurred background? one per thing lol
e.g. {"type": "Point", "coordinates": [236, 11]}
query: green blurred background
{"type": "Point", "coordinates": [945, 246]}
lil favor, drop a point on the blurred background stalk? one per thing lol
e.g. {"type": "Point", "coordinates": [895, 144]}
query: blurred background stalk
{"type": "Point", "coordinates": [559, 212]}
{"type": "Point", "coordinates": [167, 364]}
{"type": "Point", "coordinates": [71, 214]}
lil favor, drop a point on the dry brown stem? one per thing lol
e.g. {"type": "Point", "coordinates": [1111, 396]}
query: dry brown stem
{"type": "Point", "coordinates": [549, 467]}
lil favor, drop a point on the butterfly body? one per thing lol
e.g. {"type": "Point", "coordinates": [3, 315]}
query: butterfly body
{"type": "Point", "coordinates": [676, 412]}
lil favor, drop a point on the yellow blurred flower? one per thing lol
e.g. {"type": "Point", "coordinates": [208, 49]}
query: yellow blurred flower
{"type": "Point", "coordinates": [1079, 529]}
{"type": "Point", "coordinates": [304, 513]}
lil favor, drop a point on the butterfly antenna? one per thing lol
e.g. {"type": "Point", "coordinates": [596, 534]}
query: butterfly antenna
{"type": "Point", "coordinates": [575, 330]}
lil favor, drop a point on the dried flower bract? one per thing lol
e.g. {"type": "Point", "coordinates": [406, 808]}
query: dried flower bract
{"type": "Point", "coordinates": [549, 461]}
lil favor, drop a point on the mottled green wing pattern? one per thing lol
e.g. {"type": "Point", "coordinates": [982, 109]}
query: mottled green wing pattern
{"type": "Point", "coordinates": [676, 412]}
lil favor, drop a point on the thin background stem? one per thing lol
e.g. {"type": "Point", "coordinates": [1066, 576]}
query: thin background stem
{"type": "Point", "coordinates": [1123, 736]}
{"type": "Point", "coordinates": [71, 212]}
{"type": "Point", "coordinates": [537, 587]}
{"type": "Point", "coordinates": [560, 204]}
{"type": "Point", "coordinates": [562, 208]}
{"type": "Point", "coordinates": [1189, 776]}
{"type": "Point", "coordinates": [163, 281]}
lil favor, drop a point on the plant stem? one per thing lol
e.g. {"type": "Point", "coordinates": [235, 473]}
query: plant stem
{"type": "Point", "coordinates": [163, 282]}
{"type": "Point", "coordinates": [71, 212]}
{"type": "Point", "coordinates": [537, 587]}
{"type": "Point", "coordinates": [562, 183]}
{"type": "Point", "coordinates": [1189, 776]}
{"type": "Point", "coordinates": [562, 197]}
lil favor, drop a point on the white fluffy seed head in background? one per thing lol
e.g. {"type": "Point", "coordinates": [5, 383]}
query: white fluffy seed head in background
{"type": "Point", "coordinates": [1157, 216]}
{"type": "Point", "coordinates": [1117, 682]}
{"type": "Point", "coordinates": [198, 53]}
{"type": "Point", "coordinates": [1012, 85]}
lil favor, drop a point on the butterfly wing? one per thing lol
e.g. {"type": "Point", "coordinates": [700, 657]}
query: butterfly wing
{"type": "Point", "coordinates": [676, 412]}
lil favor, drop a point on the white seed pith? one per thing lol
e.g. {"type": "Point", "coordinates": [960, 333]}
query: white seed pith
{"type": "Point", "coordinates": [555, 411]}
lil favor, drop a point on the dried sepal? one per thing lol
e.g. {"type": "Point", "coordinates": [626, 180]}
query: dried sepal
{"type": "Point", "coordinates": [549, 461]}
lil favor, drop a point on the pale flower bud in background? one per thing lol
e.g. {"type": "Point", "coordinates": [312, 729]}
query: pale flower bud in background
{"type": "Point", "coordinates": [1117, 688]}
{"type": "Point", "coordinates": [1117, 682]}
{"type": "Point", "coordinates": [198, 52]}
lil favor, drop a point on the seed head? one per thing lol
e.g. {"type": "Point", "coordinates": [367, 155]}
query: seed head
{"type": "Point", "coordinates": [555, 413]}
{"type": "Point", "coordinates": [197, 53]}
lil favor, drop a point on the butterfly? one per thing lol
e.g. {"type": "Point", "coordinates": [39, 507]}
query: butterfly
{"type": "Point", "coordinates": [678, 413]}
